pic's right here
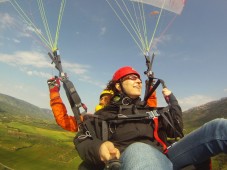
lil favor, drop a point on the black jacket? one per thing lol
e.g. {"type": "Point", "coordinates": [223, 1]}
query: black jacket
{"type": "Point", "coordinates": [124, 132]}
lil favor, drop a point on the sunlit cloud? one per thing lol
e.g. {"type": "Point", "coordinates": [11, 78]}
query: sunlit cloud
{"type": "Point", "coordinates": [193, 101]}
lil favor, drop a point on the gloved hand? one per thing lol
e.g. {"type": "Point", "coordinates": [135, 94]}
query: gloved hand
{"type": "Point", "coordinates": [54, 84]}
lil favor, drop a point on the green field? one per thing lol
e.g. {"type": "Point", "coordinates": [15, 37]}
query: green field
{"type": "Point", "coordinates": [25, 147]}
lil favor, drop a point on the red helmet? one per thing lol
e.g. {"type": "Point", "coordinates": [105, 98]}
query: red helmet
{"type": "Point", "coordinates": [123, 71]}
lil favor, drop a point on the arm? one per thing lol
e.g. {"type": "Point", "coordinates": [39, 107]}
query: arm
{"type": "Point", "coordinates": [60, 113]}
{"type": "Point", "coordinates": [59, 110]}
{"type": "Point", "coordinates": [175, 112]}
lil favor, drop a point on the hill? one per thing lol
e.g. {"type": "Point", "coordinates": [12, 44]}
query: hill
{"type": "Point", "coordinates": [17, 107]}
{"type": "Point", "coordinates": [31, 139]}
{"type": "Point", "coordinates": [13, 109]}
{"type": "Point", "coordinates": [197, 116]}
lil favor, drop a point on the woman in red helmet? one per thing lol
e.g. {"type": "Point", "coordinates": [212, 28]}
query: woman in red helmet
{"type": "Point", "coordinates": [134, 141]}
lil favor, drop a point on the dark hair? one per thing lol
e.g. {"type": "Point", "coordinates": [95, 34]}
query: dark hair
{"type": "Point", "coordinates": [111, 86]}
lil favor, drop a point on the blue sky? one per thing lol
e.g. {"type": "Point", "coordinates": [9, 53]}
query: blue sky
{"type": "Point", "coordinates": [191, 56]}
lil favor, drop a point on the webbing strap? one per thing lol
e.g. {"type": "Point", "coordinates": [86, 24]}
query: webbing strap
{"type": "Point", "coordinates": [73, 98]}
{"type": "Point", "coordinates": [164, 147]}
{"type": "Point", "coordinates": [171, 124]}
{"type": "Point", "coordinates": [72, 95]}
{"type": "Point", "coordinates": [104, 131]}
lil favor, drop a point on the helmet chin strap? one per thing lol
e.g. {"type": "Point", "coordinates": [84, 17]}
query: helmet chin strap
{"type": "Point", "coordinates": [125, 99]}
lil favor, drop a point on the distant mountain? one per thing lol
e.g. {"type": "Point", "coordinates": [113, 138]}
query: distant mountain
{"type": "Point", "coordinates": [15, 109]}
{"type": "Point", "coordinates": [197, 116]}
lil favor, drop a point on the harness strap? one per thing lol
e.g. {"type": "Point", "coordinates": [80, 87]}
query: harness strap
{"type": "Point", "coordinates": [164, 147]}
{"type": "Point", "coordinates": [171, 124]}
{"type": "Point", "coordinates": [104, 131]}
{"type": "Point", "coordinates": [89, 128]}
{"type": "Point", "coordinates": [71, 93]}
{"type": "Point", "coordinates": [73, 98]}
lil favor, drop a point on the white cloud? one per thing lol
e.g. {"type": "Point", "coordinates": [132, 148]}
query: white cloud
{"type": "Point", "coordinates": [103, 31]}
{"type": "Point", "coordinates": [1, 1]}
{"type": "Point", "coordinates": [160, 40]}
{"type": "Point", "coordinates": [24, 58]}
{"type": "Point", "coordinates": [16, 40]}
{"type": "Point", "coordinates": [6, 20]}
{"type": "Point", "coordinates": [30, 62]}
{"type": "Point", "coordinates": [38, 60]}
{"type": "Point", "coordinates": [76, 68]}
{"type": "Point", "coordinates": [36, 73]}
{"type": "Point", "coordinates": [28, 28]}
{"type": "Point", "coordinates": [225, 90]}
{"type": "Point", "coordinates": [89, 80]}
{"type": "Point", "coordinates": [193, 101]}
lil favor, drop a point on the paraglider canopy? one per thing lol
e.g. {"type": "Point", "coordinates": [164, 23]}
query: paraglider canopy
{"type": "Point", "coordinates": [142, 19]}
{"type": "Point", "coordinates": [175, 6]}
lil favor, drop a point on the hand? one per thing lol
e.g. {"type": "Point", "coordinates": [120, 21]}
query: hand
{"type": "Point", "coordinates": [54, 84]}
{"type": "Point", "coordinates": [107, 151]}
{"type": "Point", "coordinates": [166, 92]}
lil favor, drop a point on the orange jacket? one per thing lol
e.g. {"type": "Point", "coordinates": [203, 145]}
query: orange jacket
{"type": "Point", "coordinates": [152, 100]}
{"type": "Point", "coordinates": [60, 113]}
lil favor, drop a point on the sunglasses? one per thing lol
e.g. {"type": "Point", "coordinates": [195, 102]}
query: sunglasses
{"type": "Point", "coordinates": [131, 77]}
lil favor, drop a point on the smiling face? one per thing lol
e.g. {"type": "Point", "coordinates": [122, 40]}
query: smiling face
{"type": "Point", "coordinates": [132, 86]}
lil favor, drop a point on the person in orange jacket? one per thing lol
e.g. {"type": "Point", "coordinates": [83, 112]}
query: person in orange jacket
{"type": "Point", "coordinates": [152, 100]}
{"type": "Point", "coordinates": [59, 110]}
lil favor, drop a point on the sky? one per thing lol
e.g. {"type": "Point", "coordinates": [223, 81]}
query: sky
{"type": "Point", "coordinates": [190, 53]}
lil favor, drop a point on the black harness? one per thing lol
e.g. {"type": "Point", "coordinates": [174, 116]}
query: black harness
{"type": "Point", "coordinates": [99, 126]}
